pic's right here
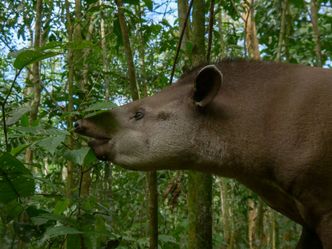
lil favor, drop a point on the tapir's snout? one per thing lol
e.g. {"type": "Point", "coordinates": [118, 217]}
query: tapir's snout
{"type": "Point", "coordinates": [91, 129]}
{"type": "Point", "coordinates": [77, 124]}
{"type": "Point", "coordinates": [78, 127]}
{"type": "Point", "coordinates": [100, 143]}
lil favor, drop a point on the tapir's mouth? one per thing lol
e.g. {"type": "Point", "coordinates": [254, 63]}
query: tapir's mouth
{"type": "Point", "coordinates": [101, 141]}
{"type": "Point", "coordinates": [101, 148]}
{"type": "Point", "coordinates": [98, 142]}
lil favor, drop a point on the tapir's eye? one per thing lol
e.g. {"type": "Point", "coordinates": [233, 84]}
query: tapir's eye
{"type": "Point", "coordinates": [139, 114]}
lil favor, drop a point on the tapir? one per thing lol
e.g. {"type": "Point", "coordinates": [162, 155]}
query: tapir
{"type": "Point", "coordinates": [267, 125]}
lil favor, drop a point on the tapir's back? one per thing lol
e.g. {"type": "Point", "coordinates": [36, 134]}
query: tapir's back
{"type": "Point", "coordinates": [283, 115]}
{"type": "Point", "coordinates": [284, 107]}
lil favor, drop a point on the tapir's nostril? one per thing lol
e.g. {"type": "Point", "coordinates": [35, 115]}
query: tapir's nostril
{"type": "Point", "coordinates": [76, 124]}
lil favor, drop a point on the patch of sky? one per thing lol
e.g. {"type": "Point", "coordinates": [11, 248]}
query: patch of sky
{"type": "Point", "coordinates": [164, 10]}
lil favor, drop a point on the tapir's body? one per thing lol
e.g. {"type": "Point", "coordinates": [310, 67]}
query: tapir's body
{"type": "Point", "coordinates": [267, 125]}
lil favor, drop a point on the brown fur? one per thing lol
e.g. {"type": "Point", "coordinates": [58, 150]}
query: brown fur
{"type": "Point", "coordinates": [269, 127]}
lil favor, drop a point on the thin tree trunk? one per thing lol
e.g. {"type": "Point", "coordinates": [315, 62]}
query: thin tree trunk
{"type": "Point", "coordinates": [105, 53]}
{"type": "Point", "coordinates": [182, 12]}
{"type": "Point", "coordinates": [314, 6]}
{"type": "Point", "coordinates": [129, 55]}
{"type": "Point", "coordinates": [198, 32]}
{"type": "Point", "coordinates": [251, 223]}
{"type": "Point", "coordinates": [77, 53]}
{"type": "Point", "coordinates": [36, 82]}
{"type": "Point", "coordinates": [221, 32]}
{"type": "Point", "coordinates": [86, 183]}
{"type": "Point", "coordinates": [70, 105]}
{"type": "Point", "coordinates": [252, 44]}
{"type": "Point", "coordinates": [199, 184]}
{"type": "Point", "coordinates": [226, 214]}
{"type": "Point", "coordinates": [274, 234]}
{"type": "Point", "coordinates": [151, 176]}
{"type": "Point", "coordinates": [86, 54]}
{"type": "Point", "coordinates": [200, 210]}
{"type": "Point", "coordinates": [259, 224]}
{"type": "Point", "coordinates": [153, 209]}
{"type": "Point", "coordinates": [281, 41]}
{"type": "Point", "coordinates": [255, 224]}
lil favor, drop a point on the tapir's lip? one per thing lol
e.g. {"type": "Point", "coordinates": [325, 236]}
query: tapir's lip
{"type": "Point", "coordinates": [99, 147]}
{"type": "Point", "coordinates": [98, 141]}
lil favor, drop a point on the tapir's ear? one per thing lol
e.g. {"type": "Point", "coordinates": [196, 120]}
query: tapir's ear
{"type": "Point", "coordinates": [207, 84]}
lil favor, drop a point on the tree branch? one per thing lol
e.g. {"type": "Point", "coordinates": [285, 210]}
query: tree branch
{"type": "Point", "coordinates": [3, 107]}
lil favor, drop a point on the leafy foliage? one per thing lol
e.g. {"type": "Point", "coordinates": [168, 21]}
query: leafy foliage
{"type": "Point", "coordinates": [15, 180]}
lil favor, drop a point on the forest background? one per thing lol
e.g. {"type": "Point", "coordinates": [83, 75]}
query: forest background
{"type": "Point", "coordinates": [61, 59]}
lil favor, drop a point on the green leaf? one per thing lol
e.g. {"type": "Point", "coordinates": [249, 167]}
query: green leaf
{"type": "Point", "coordinates": [89, 158]}
{"type": "Point", "coordinates": [149, 4]}
{"type": "Point", "coordinates": [167, 239]}
{"type": "Point", "coordinates": [91, 1]}
{"type": "Point", "coordinates": [61, 206]}
{"type": "Point", "coordinates": [16, 114]}
{"type": "Point", "coordinates": [15, 180]}
{"type": "Point", "coordinates": [80, 45]}
{"type": "Point", "coordinates": [71, 241]}
{"type": "Point", "coordinates": [17, 150]}
{"type": "Point", "coordinates": [77, 156]}
{"type": "Point", "coordinates": [135, 2]}
{"type": "Point", "coordinates": [27, 56]}
{"type": "Point", "coordinates": [51, 143]}
{"type": "Point", "coordinates": [59, 231]}
{"type": "Point", "coordinates": [104, 105]}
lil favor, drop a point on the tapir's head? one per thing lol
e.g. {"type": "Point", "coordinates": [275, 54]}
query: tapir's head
{"type": "Point", "coordinates": [156, 132]}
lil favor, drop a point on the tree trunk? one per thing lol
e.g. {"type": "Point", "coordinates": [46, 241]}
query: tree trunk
{"type": "Point", "coordinates": [255, 224]}
{"type": "Point", "coordinates": [70, 84]}
{"type": "Point", "coordinates": [199, 184]}
{"type": "Point", "coordinates": [182, 12]}
{"type": "Point", "coordinates": [151, 176]}
{"type": "Point", "coordinates": [250, 30]}
{"type": "Point", "coordinates": [153, 209]}
{"type": "Point", "coordinates": [86, 54]}
{"type": "Point", "coordinates": [36, 82]}
{"type": "Point", "coordinates": [105, 53]}
{"type": "Point", "coordinates": [198, 32]}
{"type": "Point", "coordinates": [314, 6]}
{"type": "Point", "coordinates": [221, 32]}
{"type": "Point", "coordinates": [281, 41]}
{"type": "Point", "coordinates": [200, 210]}
{"type": "Point", "coordinates": [251, 223]}
{"type": "Point", "coordinates": [127, 48]}
{"type": "Point", "coordinates": [259, 224]}
{"type": "Point", "coordinates": [274, 230]}
{"type": "Point", "coordinates": [226, 214]}
{"type": "Point", "coordinates": [86, 183]}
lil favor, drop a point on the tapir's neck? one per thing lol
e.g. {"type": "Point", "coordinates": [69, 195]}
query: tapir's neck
{"type": "Point", "coordinates": [219, 153]}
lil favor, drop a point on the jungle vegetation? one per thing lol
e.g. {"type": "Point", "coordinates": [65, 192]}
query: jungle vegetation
{"type": "Point", "coordinates": [62, 59]}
